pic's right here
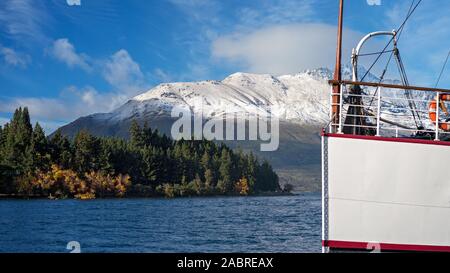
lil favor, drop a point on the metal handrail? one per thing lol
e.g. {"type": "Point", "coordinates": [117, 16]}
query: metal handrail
{"type": "Point", "coordinates": [379, 109]}
{"type": "Point", "coordinates": [393, 86]}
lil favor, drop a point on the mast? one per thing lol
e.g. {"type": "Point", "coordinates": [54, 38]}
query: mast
{"type": "Point", "coordinates": [337, 70]}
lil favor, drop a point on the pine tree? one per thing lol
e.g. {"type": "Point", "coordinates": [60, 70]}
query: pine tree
{"type": "Point", "coordinates": [225, 171]}
{"type": "Point", "coordinates": [38, 154]}
{"type": "Point", "coordinates": [209, 180]}
{"type": "Point", "coordinates": [251, 171]}
{"type": "Point", "coordinates": [205, 161]}
{"type": "Point", "coordinates": [17, 139]}
{"type": "Point", "coordinates": [26, 124]}
{"type": "Point", "coordinates": [150, 166]}
{"type": "Point", "coordinates": [267, 178]}
{"type": "Point", "coordinates": [61, 150]}
{"type": "Point", "coordinates": [87, 151]}
{"type": "Point", "coordinates": [137, 136]}
{"type": "Point", "coordinates": [1, 137]}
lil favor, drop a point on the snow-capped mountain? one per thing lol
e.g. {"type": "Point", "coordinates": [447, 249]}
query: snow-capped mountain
{"type": "Point", "coordinates": [302, 97]}
{"type": "Point", "coordinates": [301, 101]}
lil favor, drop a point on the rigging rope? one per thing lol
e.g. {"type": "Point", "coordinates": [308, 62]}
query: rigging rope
{"type": "Point", "coordinates": [400, 29]}
{"type": "Point", "coordinates": [390, 57]}
{"type": "Point", "coordinates": [404, 78]}
{"type": "Point", "coordinates": [409, 98]}
{"type": "Point", "coordinates": [381, 79]}
{"type": "Point", "coordinates": [442, 70]}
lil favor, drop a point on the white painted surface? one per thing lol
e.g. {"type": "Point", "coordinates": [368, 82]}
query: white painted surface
{"type": "Point", "coordinates": [392, 192]}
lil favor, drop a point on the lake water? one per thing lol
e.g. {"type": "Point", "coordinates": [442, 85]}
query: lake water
{"type": "Point", "coordinates": [230, 224]}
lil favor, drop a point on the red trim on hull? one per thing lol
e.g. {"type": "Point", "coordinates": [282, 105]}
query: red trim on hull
{"type": "Point", "coordinates": [385, 247]}
{"type": "Point", "coordinates": [390, 139]}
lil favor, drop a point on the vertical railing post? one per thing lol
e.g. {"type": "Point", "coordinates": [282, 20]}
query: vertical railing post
{"type": "Point", "coordinates": [438, 103]}
{"type": "Point", "coordinates": [341, 104]}
{"type": "Point", "coordinates": [332, 119]}
{"type": "Point", "coordinates": [379, 112]}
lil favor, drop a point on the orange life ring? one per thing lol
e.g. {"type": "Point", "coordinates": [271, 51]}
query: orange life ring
{"type": "Point", "coordinates": [432, 111]}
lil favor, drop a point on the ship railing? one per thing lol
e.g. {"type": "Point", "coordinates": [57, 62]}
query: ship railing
{"type": "Point", "coordinates": [388, 111]}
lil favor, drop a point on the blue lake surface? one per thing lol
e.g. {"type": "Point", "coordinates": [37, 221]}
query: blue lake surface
{"type": "Point", "coordinates": [228, 224]}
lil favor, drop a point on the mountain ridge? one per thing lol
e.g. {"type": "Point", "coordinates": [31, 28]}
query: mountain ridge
{"type": "Point", "coordinates": [302, 101]}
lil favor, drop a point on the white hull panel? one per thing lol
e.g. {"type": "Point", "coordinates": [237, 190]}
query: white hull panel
{"type": "Point", "coordinates": [386, 192]}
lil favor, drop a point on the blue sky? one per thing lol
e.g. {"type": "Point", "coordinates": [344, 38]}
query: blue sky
{"type": "Point", "coordinates": [69, 58]}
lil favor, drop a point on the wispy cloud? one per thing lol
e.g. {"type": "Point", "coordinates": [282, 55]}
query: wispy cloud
{"type": "Point", "coordinates": [270, 13]}
{"type": "Point", "coordinates": [424, 41]}
{"type": "Point", "coordinates": [162, 75]}
{"type": "Point", "coordinates": [65, 52]}
{"type": "Point", "coordinates": [24, 20]}
{"type": "Point", "coordinates": [14, 58]}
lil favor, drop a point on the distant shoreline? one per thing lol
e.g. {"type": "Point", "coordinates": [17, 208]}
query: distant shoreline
{"type": "Point", "coordinates": [36, 197]}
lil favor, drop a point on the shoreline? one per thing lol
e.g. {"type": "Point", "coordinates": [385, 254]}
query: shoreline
{"type": "Point", "coordinates": [38, 197]}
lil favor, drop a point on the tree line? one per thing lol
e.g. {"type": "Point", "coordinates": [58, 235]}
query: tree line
{"type": "Point", "coordinates": [148, 164]}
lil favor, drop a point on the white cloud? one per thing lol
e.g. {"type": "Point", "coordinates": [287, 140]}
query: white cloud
{"type": "Point", "coordinates": [122, 72]}
{"type": "Point", "coordinates": [13, 58]}
{"type": "Point", "coordinates": [119, 70]}
{"type": "Point", "coordinates": [49, 126]}
{"type": "Point", "coordinates": [71, 103]}
{"type": "Point", "coordinates": [3, 121]}
{"type": "Point", "coordinates": [283, 49]}
{"type": "Point", "coordinates": [65, 52]}
{"type": "Point", "coordinates": [73, 2]}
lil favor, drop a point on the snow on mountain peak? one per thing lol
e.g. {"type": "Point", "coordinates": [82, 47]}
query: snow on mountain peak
{"type": "Point", "coordinates": [303, 96]}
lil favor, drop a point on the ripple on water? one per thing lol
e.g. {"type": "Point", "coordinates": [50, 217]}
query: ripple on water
{"type": "Point", "coordinates": [253, 224]}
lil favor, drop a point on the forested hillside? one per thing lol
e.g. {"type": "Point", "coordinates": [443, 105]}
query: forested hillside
{"type": "Point", "coordinates": [149, 164]}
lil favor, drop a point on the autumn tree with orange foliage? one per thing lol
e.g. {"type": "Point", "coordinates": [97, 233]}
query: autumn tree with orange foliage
{"type": "Point", "coordinates": [61, 183]}
{"type": "Point", "coordinates": [242, 186]}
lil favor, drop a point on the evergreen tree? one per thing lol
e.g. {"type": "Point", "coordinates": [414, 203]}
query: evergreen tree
{"type": "Point", "coordinates": [225, 171]}
{"type": "Point", "coordinates": [151, 161]}
{"type": "Point", "coordinates": [209, 180]}
{"type": "Point", "coordinates": [251, 169]}
{"type": "Point", "coordinates": [267, 178]}
{"type": "Point", "coordinates": [87, 151]}
{"type": "Point", "coordinates": [205, 160]}
{"type": "Point", "coordinates": [1, 137]}
{"type": "Point", "coordinates": [17, 140]}
{"type": "Point", "coordinates": [38, 154]}
{"type": "Point", "coordinates": [61, 150]}
{"type": "Point", "coordinates": [137, 135]}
